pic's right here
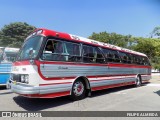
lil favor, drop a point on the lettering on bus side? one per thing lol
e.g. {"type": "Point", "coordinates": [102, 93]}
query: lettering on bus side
{"type": "Point", "coordinates": [94, 42]}
{"type": "Point", "coordinates": [61, 67]}
{"type": "Point", "coordinates": [75, 37]}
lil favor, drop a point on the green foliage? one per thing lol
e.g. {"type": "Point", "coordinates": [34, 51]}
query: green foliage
{"type": "Point", "coordinates": [145, 46]}
{"type": "Point", "coordinates": [111, 38]}
{"type": "Point", "coordinates": [14, 34]}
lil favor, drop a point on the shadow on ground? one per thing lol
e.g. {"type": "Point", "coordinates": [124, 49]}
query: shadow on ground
{"type": "Point", "coordinates": [157, 92]}
{"type": "Point", "coordinates": [111, 90]}
{"type": "Point", "coordinates": [37, 104]}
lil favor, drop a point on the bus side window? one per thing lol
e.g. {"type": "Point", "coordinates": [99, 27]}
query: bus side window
{"type": "Point", "coordinates": [98, 56]}
{"type": "Point", "coordinates": [72, 52]}
{"type": "Point", "coordinates": [111, 55]}
{"type": "Point", "coordinates": [107, 54]}
{"type": "Point", "coordinates": [92, 55]}
{"type": "Point", "coordinates": [124, 57]}
{"type": "Point", "coordinates": [116, 57]}
{"type": "Point", "coordinates": [146, 61]}
{"type": "Point", "coordinates": [86, 54]}
{"type": "Point", "coordinates": [53, 51]}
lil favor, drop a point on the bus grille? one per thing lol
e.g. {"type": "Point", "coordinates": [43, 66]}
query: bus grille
{"type": "Point", "coordinates": [16, 77]}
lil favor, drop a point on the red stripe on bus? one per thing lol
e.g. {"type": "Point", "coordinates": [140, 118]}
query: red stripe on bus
{"type": "Point", "coordinates": [127, 65]}
{"type": "Point", "coordinates": [19, 63]}
{"type": "Point", "coordinates": [112, 86]}
{"type": "Point", "coordinates": [91, 64]}
{"type": "Point", "coordinates": [49, 95]}
{"type": "Point", "coordinates": [68, 63]}
{"type": "Point", "coordinates": [116, 75]}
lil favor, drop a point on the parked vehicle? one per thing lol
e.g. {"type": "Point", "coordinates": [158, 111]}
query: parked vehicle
{"type": "Point", "coordinates": [53, 64]}
{"type": "Point", "coordinates": [7, 56]}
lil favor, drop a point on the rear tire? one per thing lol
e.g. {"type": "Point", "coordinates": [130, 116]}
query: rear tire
{"type": "Point", "coordinates": [138, 81]}
{"type": "Point", "coordinates": [78, 90]}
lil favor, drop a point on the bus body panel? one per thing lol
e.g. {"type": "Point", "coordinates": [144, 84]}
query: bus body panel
{"type": "Point", "coordinates": [47, 79]}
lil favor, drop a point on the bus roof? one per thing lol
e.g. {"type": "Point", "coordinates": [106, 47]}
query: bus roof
{"type": "Point", "coordinates": [66, 36]}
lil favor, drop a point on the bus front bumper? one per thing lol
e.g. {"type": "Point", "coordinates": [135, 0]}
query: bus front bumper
{"type": "Point", "coordinates": [50, 91]}
{"type": "Point", "coordinates": [21, 88]}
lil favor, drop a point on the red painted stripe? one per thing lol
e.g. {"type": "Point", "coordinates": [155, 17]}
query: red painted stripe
{"type": "Point", "coordinates": [26, 62]}
{"type": "Point", "coordinates": [91, 64]}
{"type": "Point", "coordinates": [112, 86]}
{"type": "Point", "coordinates": [108, 79]}
{"type": "Point", "coordinates": [55, 83]}
{"type": "Point", "coordinates": [69, 63]}
{"type": "Point", "coordinates": [50, 95]}
{"type": "Point", "coordinates": [127, 65]}
{"type": "Point", "coordinates": [98, 76]}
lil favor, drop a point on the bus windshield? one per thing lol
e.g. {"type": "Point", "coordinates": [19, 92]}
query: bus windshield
{"type": "Point", "coordinates": [31, 45]}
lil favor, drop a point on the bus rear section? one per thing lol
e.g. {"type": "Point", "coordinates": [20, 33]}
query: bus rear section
{"type": "Point", "coordinates": [53, 64]}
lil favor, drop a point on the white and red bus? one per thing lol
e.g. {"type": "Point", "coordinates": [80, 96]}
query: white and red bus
{"type": "Point", "coordinates": [53, 64]}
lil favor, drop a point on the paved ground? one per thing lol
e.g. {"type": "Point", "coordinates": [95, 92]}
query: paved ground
{"type": "Point", "coordinates": [145, 98]}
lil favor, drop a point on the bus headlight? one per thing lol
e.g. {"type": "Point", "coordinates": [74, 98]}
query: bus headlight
{"type": "Point", "coordinates": [24, 78]}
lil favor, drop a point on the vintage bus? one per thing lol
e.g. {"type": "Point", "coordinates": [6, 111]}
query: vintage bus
{"type": "Point", "coordinates": [53, 64]}
{"type": "Point", "coordinates": [7, 56]}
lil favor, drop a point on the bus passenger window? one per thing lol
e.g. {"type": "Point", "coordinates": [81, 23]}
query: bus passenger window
{"type": "Point", "coordinates": [92, 55]}
{"type": "Point", "coordinates": [98, 56]}
{"type": "Point", "coordinates": [111, 55]}
{"type": "Point", "coordinates": [53, 51]}
{"type": "Point", "coordinates": [72, 52]}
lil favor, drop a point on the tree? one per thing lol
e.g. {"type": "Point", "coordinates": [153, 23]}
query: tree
{"type": "Point", "coordinates": [145, 46]}
{"type": "Point", "coordinates": [14, 34]}
{"type": "Point", "coordinates": [155, 32]}
{"type": "Point", "coordinates": [112, 38]}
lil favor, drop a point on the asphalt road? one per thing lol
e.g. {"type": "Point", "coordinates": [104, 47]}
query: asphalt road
{"type": "Point", "coordinates": [129, 98]}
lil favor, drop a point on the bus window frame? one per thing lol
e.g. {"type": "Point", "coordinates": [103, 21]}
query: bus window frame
{"type": "Point", "coordinates": [99, 48]}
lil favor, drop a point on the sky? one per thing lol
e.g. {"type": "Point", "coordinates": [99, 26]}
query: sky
{"type": "Point", "coordinates": [83, 17]}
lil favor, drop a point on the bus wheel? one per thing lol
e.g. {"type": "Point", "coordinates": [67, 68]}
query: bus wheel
{"type": "Point", "coordinates": [78, 90]}
{"type": "Point", "coordinates": [138, 81]}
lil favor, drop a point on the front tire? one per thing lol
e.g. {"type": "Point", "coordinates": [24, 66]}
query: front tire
{"type": "Point", "coordinates": [78, 90]}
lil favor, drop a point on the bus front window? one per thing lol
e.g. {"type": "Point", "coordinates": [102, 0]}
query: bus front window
{"type": "Point", "coordinates": [32, 44]}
